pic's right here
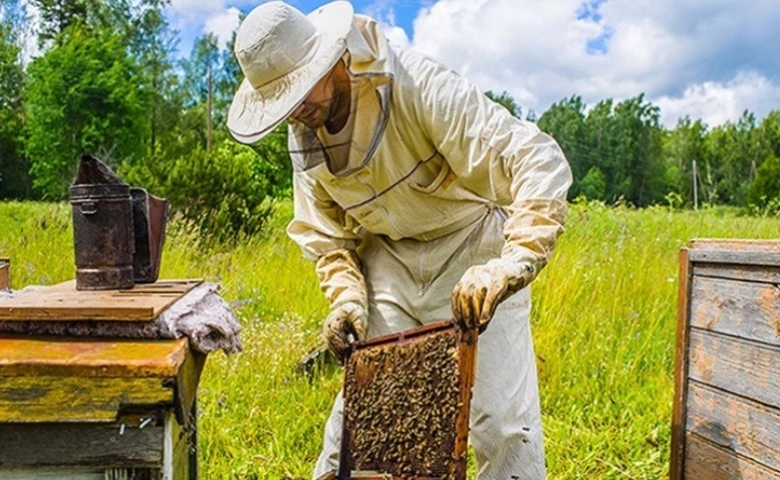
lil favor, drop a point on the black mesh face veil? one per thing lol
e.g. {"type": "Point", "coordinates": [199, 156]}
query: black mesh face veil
{"type": "Point", "coordinates": [352, 147]}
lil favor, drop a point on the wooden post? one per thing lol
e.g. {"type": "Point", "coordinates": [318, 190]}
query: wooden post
{"type": "Point", "coordinates": [5, 274]}
{"type": "Point", "coordinates": [680, 365]}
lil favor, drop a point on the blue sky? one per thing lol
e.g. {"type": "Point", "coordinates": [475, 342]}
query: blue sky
{"type": "Point", "coordinates": [708, 59]}
{"type": "Point", "coordinates": [400, 13]}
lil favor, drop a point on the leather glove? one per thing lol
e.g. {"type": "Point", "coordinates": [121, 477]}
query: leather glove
{"type": "Point", "coordinates": [348, 318]}
{"type": "Point", "coordinates": [483, 287]}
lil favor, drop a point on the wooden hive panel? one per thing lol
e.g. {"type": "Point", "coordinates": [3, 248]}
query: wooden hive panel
{"type": "Point", "coordinates": [726, 421]}
{"type": "Point", "coordinates": [93, 380]}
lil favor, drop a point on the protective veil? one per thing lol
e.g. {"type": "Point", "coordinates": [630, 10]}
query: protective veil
{"type": "Point", "coordinates": [434, 179]}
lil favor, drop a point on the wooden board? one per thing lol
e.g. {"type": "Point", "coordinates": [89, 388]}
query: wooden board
{"type": "Point", "coordinates": [134, 441]}
{"type": "Point", "coordinates": [736, 366]}
{"type": "Point", "coordinates": [88, 357]}
{"type": "Point", "coordinates": [734, 245]}
{"type": "Point", "coordinates": [91, 380]}
{"type": "Point", "coordinates": [45, 399]}
{"type": "Point", "coordinates": [62, 302]}
{"type": "Point", "coordinates": [713, 462]}
{"type": "Point", "coordinates": [744, 309]}
{"type": "Point", "coordinates": [748, 273]}
{"type": "Point", "coordinates": [141, 446]}
{"type": "Point", "coordinates": [746, 428]}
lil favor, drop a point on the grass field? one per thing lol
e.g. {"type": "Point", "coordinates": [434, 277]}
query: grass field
{"type": "Point", "coordinates": [604, 324]}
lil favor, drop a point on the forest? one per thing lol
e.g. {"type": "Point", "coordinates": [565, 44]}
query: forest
{"type": "Point", "coordinates": [105, 77]}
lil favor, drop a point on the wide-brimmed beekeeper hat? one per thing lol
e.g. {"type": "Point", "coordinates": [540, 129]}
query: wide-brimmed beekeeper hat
{"type": "Point", "coordinates": [283, 54]}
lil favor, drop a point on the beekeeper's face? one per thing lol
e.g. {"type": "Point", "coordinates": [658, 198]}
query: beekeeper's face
{"type": "Point", "coordinates": [320, 105]}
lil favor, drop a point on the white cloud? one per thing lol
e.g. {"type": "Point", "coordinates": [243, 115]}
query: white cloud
{"type": "Point", "coordinates": [383, 11]}
{"type": "Point", "coordinates": [197, 9]}
{"type": "Point", "coordinates": [684, 55]}
{"type": "Point", "coordinates": [223, 25]}
{"type": "Point", "coordinates": [716, 103]}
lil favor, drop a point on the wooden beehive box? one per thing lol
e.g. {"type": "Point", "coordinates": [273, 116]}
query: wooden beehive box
{"type": "Point", "coordinates": [406, 405]}
{"type": "Point", "coordinates": [726, 421]}
{"type": "Point", "coordinates": [95, 407]}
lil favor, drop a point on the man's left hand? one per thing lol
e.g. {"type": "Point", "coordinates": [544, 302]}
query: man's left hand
{"type": "Point", "coordinates": [483, 287]}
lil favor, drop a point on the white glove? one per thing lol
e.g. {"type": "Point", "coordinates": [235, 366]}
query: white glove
{"type": "Point", "coordinates": [349, 318]}
{"type": "Point", "coordinates": [483, 287]}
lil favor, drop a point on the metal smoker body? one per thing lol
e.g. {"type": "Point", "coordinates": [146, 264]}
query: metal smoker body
{"type": "Point", "coordinates": [118, 231]}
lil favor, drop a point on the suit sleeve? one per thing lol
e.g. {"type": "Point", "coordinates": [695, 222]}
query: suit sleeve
{"type": "Point", "coordinates": [505, 160]}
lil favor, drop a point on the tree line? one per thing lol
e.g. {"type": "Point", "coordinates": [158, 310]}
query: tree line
{"type": "Point", "coordinates": [106, 79]}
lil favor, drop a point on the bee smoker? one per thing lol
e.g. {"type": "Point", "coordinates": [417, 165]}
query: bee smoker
{"type": "Point", "coordinates": [118, 230]}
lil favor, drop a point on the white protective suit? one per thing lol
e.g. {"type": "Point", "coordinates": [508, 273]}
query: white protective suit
{"type": "Point", "coordinates": [437, 179]}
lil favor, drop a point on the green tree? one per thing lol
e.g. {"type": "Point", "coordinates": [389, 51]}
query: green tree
{"type": "Point", "coordinates": [82, 97]}
{"type": "Point", "coordinates": [594, 185]}
{"type": "Point", "coordinates": [565, 121]}
{"type": "Point", "coordinates": [637, 141]}
{"type": "Point", "coordinates": [765, 190]}
{"type": "Point", "coordinates": [769, 134]}
{"type": "Point", "coordinates": [681, 147]}
{"type": "Point", "coordinates": [599, 147]}
{"type": "Point", "coordinates": [226, 191]}
{"type": "Point", "coordinates": [153, 44]}
{"type": "Point", "coordinates": [204, 107]}
{"type": "Point", "coordinates": [57, 15]}
{"type": "Point", "coordinates": [14, 178]}
{"type": "Point", "coordinates": [621, 142]}
{"type": "Point", "coordinates": [734, 152]}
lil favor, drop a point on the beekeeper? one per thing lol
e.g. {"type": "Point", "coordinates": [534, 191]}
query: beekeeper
{"type": "Point", "coordinates": [418, 198]}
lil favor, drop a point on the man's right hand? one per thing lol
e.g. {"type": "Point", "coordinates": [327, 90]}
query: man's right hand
{"type": "Point", "coordinates": [349, 318]}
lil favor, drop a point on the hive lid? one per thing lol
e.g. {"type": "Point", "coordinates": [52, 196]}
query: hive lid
{"type": "Point", "coordinates": [62, 302]}
{"type": "Point", "coordinates": [735, 251]}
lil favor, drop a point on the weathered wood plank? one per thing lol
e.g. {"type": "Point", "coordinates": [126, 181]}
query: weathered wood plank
{"type": "Point", "coordinates": [62, 302]}
{"type": "Point", "coordinates": [742, 309]}
{"type": "Point", "coordinates": [51, 474]}
{"type": "Point", "coordinates": [44, 398]}
{"type": "Point", "coordinates": [707, 461]}
{"type": "Point", "coordinates": [134, 474]}
{"type": "Point", "coordinates": [735, 244]}
{"type": "Point", "coordinates": [182, 440]}
{"type": "Point", "coordinates": [737, 366]}
{"type": "Point", "coordinates": [748, 273]}
{"type": "Point", "coordinates": [748, 428]}
{"type": "Point", "coordinates": [736, 257]}
{"type": "Point", "coordinates": [76, 473]}
{"type": "Point", "coordinates": [186, 387]}
{"type": "Point", "coordinates": [105, 445]}
{"type": "Point", "coordinates": [680, 368]}
{"type": "Point", "coordinates": [87, 357]}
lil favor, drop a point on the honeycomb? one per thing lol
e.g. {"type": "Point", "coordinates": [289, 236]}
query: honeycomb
{"type": "Point", "coordinates": [401, 405]}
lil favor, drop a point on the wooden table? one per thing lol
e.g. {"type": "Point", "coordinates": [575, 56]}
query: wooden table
{"type": "Point", "coordinates": [88, 408]}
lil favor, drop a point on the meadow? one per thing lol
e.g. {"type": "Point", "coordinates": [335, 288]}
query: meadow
{"type": "Point", "coordinates": [604, 319]}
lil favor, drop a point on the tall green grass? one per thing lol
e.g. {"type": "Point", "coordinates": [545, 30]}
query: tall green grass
{"type": "Point", "coordinates": [604, 322]}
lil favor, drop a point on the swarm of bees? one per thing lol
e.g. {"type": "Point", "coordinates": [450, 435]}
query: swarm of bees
{"type": "Point", "coordinates": [401, 405]}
